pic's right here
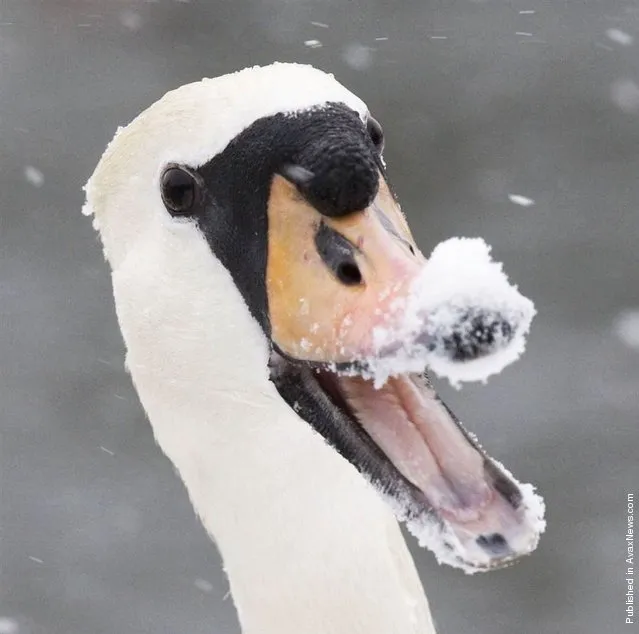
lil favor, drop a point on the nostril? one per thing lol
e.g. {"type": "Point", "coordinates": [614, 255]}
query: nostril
{"type": "Point", "coordinates": [338, 254]}
{"type": "Point", "coordinates": [494, 543]}
{"type": "Point", "coordinates": [348, 273]}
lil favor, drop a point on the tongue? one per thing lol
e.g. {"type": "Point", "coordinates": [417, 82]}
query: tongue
{"type": "Point", "coordinates": [416, 432]}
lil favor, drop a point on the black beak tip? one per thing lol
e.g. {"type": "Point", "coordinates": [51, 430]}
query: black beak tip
{"type": "Point", "coordinates": [476, 334]}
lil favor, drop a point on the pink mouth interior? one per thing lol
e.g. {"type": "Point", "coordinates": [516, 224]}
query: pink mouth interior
{"type": "Point", "coordinates": [417, 434]}
{"type": "Point", "coordinates": [427, 446]}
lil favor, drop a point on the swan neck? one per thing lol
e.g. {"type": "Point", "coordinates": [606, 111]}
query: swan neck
{"type": "Point", "coordinates": [308, 545]}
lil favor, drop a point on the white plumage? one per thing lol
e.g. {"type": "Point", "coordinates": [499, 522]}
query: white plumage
{"type": "Point", "coordinates": [308, 545]}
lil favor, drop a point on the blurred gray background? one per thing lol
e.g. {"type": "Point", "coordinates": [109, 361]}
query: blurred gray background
{"type": "Point", "coordinates": [480, 101]}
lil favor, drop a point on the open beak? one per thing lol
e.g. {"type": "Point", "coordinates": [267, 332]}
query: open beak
{"type": "Point", "coordinates": [333, 284]}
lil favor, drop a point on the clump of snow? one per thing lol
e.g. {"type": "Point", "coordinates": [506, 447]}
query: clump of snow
{"type": "Point", "coordinates": [625, 94]}
{"type": "Point", "coordinates": [8, 626]}
{"type": "Point", "coordinates": [620, 37]}
{"type": "Point", "coordinates": [357, 56]}
{"type": "Point", "coordinates": [313, 44]}
{"type": "Point", "coordinates": [33, 176]}
{"type": "Point", "coordinates": [320, 25]}
{"type": "Point", "coordinates": [535, 507]}
{"type": "Point", "coordinates": [461, 318]}
{"type": "Point", "coordinates": [626, 327]}
{"type": "Point", "coordinates": [518, 199]}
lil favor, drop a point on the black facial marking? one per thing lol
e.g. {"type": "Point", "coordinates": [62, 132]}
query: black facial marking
{"type": "Point", "coordinates": [338, 254]}
{"type": "Point", "coordinates": [326, 151]}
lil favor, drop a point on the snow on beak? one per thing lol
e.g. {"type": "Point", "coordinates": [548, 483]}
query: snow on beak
{"type": "Point", "coordinates": [356, 293]}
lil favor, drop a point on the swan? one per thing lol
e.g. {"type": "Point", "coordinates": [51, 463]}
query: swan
{"type": "Point", "coordinates": [255, 246]}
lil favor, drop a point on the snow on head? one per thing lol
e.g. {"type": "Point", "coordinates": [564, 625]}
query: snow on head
{"type": "Point", "coordinates": [462, 319]}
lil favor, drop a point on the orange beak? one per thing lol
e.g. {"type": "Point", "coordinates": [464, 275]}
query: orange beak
{"type": "Point", "coordinates": [332, 281]}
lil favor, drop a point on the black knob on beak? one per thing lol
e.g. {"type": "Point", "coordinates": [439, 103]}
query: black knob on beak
{"type": "Point", "coordinates": [336, 181]}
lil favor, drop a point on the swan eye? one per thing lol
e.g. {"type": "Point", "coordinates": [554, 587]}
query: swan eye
{"type": "Point", "coordinates": [179, 189]}
{"type": "Point", "coordinates": [376, 133]}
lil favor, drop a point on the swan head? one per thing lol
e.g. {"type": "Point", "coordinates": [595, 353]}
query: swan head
{"type": "Point", "coordinates": [255, 242]}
